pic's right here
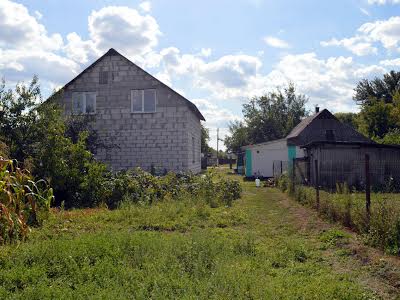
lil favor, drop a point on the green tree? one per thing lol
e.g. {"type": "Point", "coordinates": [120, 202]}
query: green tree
{"type": "Point", "coordinates": [37, 132]}
{"type": "Point", "coordinates": [269, 117]}
{"type": "Point", "coordinates": [237, 136]}
{"type": "Point", "coordinates": [205, 138]}
{"type": "Point", "coordinates": [18, 116]}
{"type": "Point", "coordinates": [367, 92]}
{"type": "Point", "coordinates": [347, 118]}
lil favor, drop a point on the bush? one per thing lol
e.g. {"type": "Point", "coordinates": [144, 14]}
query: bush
{"type": "Point", "coordinates": [23, 202]}
{"type": "Point", "coordinates": [139, 186]}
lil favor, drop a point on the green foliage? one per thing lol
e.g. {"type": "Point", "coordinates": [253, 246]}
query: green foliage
{"type": "Point", "coordinates": [269, 117]}
{"type": "Point", "coordinates": [205, 138]}
{"type": "Point", "coordinates": [175, 250]}
{"type": "Point", "coordinates": [347, 118]}
{"type": "Point", "coordinates": [383, 229]}
{"type": "Point", "coordinates": [368, 91]}
{"type": "Point", "coordinates": [377, 119]}
{"type": "Point", "coordinates": [138, 186]}
{"type": "Point", "coordinates": [23, 202]}
{"type": "Point", "coordinates": [17, 117]}
{"type": "Point", "coordinates": [238, 136]}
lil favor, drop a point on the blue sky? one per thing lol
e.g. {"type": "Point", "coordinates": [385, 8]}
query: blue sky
{"type": "Point", "coordinates": [217, 53]}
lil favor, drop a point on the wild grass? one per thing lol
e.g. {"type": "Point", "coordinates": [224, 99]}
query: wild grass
{"type": "Point", "coordinates": [173, 250]}
{"type": "Point", "coordinates": [381, 229]}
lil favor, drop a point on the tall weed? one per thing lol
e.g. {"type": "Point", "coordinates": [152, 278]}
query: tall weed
{"type": "Point", "coordinates": [23, 202]}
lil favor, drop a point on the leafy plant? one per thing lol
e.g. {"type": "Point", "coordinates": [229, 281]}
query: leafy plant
{"type": "Point", "coordinates": [23, 202]}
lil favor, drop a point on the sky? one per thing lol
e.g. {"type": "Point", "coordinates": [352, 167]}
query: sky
{"type": "Point", "coordinates": [217, 53]}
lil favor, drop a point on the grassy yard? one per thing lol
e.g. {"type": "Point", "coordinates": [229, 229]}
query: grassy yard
{"type": "Point", "coordinates": [264, 247]}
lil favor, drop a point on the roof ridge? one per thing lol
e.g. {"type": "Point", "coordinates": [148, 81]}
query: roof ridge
{"type": "Point", "coordinates": [113, 52]}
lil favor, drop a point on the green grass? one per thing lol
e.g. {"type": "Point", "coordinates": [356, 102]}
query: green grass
{"type": "Point", "coordinates": [252, 250]}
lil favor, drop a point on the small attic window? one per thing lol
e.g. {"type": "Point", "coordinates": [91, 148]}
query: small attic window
{"type": "Point", "coordinates": [103, 77]}
{"type": "Point", "coordinates": [330, 135]}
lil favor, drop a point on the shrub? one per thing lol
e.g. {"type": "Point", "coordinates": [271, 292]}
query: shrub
{"type": "Point", "coordinates": [139, 186]}
{"type": "Point", "coordinates": [23, 202]}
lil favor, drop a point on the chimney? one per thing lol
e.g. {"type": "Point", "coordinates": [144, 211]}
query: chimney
{"type": "Point", "coordinates": [316, 109]}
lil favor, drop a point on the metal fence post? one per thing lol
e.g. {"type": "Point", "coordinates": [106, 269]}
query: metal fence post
{"type": "Point", "coordinates": [317, 183]}
{"type": "Point", "coordinates": [367, 188]}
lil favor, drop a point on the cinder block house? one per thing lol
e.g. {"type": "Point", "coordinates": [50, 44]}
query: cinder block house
{"type": "Point", "coordinates": [149, 124]}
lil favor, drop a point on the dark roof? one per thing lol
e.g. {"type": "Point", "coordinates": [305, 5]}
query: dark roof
{"type": "Point", "coordinates": [304, 123]}
{"type": "Point", "coordinates": [315, 127]}
{"type": "Point", "coordinates": [113, 52]}
{"type": "Point", "coordinates": [366, 144]}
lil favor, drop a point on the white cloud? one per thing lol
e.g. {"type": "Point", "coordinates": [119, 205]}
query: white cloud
{"type": "Point", "coordinates": [18, 65]}
{"type": "Point", "coordinates": [18, 29]}
{"type": "Point", "coordinates": [217, 117]}
{"type": "Point", "coordinates": [206, 52]}
{"type": "Point", "coordinates": [390, 62]}
{"type": "Point", "coordinates": [145, 6]}
{"type": "Point", "coordinates": [38, 15]}
{"type": "Point", "coordinates": [364, 11]}
{"type": "Point", "coordinates": [382, 2]}
{"type": "Point", "coordinates": [328, 82]}
{"type": "Point", "coordinates": [386, 32]}
{"type": "Point", "coordinates": [79, 50]}
{"type": "Point", "coordinates": [123, 28]}
{"type": "Point", "coordinates": [276, 42]}
{"type": "Point", "coordinates": [357, 45]}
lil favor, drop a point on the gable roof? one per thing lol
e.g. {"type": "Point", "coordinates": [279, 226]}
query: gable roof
{"type": "Point", "coordinates": [313, 128]}
{"type": "Point", "coordinates": [113, 52]}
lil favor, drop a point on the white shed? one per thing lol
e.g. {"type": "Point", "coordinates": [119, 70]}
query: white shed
{"type": "Point", "coordinates": [259, 158]}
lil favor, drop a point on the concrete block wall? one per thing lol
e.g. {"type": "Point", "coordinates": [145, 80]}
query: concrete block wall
{"type": "Point", "coordinates": [162, 139]}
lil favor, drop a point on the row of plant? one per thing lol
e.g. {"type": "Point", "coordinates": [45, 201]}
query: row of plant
{"type": "Point", "coordinates": [381, 229]}
{"type": "Point", "coordinates": [138, 186]}
{"type": "Point", "coordinates": [23, 202]}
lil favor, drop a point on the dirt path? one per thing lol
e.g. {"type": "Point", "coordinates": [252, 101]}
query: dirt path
{"type": "Point", "coordinates": [276, 219]}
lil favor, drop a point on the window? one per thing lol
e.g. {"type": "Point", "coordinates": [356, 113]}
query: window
{"type": "Point", "coordinates": [143, 101]}
{"type": "Point", "coordinates": [103, 77]}
{"type": "Point", "coordinates": [330, 135]}
{"type": "Point", "coordinates": [84, 103]}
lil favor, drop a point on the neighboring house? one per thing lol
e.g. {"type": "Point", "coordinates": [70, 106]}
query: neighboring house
{"type": "Point", "coordinates": [262, 159]}
{"type": "Point", "coordinates": [148, 124]}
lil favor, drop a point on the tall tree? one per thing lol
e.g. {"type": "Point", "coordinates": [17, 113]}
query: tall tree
{"type": "Point", "coordinates": [237, 137]}
{"type": "Point", "coordinates": [205, 138]}
{"type": "Point", "coordinates": [269, 117]}
{"type": "Point", "coordinates": [367, 92]}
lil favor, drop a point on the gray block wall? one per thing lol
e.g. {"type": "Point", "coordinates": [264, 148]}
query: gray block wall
{"type": "Point", "coordinates": [162, 139]}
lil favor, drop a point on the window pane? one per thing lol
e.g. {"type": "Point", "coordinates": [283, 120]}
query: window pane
{"type": "Point", "coordinates": [77, 103]}
{"type": "Point", "coordinates": [90, 103]}
{"type": "Point", "coordinates": [136, 100]}
{"type": "Point", "coordinates": [149, 100]}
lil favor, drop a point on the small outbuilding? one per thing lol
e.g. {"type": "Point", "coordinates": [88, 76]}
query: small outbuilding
{"type": "Point", "coordinates": [261, 160]}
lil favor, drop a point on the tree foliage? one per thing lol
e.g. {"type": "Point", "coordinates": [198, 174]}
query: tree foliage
{"type": "Point", "coordinates": [269, 117]}
{"type": "Point", "coordinates": [367, 92]}
{"type": "Point", "coordinates": [379, 117]}
{"type": "Point", "coordinates": [54, 148]}
{"type": "Point", "coordinates": [205, 138]}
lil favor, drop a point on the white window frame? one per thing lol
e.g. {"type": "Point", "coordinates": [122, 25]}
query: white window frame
{"type": "Point", "coordinates": [143, 111]}
{"type": "Point", "coordinates": [84, 103]}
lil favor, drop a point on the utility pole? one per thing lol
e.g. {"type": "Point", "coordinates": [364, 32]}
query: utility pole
{"type": "Point", "coordinates": [218, 139]}
{"type": "Point", "coordinates": [217, 146]}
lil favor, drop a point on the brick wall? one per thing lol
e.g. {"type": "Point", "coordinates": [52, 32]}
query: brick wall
{"type": "Point", "coordinates": [162, 139]}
